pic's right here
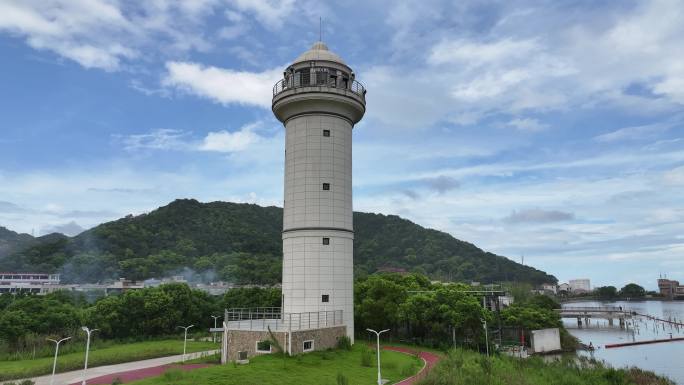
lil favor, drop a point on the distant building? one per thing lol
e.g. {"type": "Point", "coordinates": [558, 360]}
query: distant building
{"type": "Point", "coordinates": [580, 285]}
{"type": "Point", "coordinates": [123, 285]}
{"type": "Point", "coordinates": [35, 283]}
{"type": "Point", "coordinates": [670, 289]}
{"type": "Point", "coordinates": [546, 288]}
{"type": "Point", "coordinates": [564, 287]}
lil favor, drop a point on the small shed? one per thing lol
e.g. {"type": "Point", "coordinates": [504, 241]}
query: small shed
{"type": "Point", "coordinates": [546, 340]}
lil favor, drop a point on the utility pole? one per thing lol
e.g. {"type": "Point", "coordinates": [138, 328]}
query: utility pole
{"type": "Point", "coordinates": [486, 335]}
{"type": "Point", "coordinates": [54, 364]}
{"type": "Point", "coordinates": [85, 368]}
{"type": "Point", "coordinates": [215, 317]}
{"type": "Point", "coordinates": [377, 334]}
{"type": "Point", "coordinates": [185, 338]}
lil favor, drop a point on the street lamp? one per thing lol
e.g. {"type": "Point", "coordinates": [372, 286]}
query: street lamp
{"type": "Point", "coordinates": [85, 368]}
{"type": "Point", "coordinates": [185, 339]}
{"type": "Point", "coordinates": [215, 317]}
{"type": "Point", "coordinates": [377, 334]}
{"type": "Point", "coordinates": [54, 364]}
{"type": "Point", "coordinates": [486, 335]}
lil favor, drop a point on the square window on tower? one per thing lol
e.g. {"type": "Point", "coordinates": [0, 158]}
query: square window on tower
{"type": "Point", "coordinates": [325, 298]}
{"type": "Point", "coordinates": [326, 186]}
{"type": "Point", "coordinates": [326, 241]}
{"type": "Point", "coordinates": [326, 133]}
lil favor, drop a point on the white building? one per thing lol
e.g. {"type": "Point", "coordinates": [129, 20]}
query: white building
{"type": "Point", "coordinates": [580, 285]}
{"type": "Point", "coordinates": [36, 283]}
{"type": "Point", "coordinates": [319, 102]}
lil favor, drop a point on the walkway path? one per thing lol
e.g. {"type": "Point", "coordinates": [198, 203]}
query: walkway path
{"type": "Point", "coordinates": [430, 359]}
{"type": "Point", "coordinates": [75, 377]}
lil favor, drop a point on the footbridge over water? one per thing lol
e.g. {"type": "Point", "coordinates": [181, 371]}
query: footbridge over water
{"type": "Point", "coordinates": [586, 313]}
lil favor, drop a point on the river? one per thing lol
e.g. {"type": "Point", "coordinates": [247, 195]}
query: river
{"type": "Point", "coordinates": [663, 358]}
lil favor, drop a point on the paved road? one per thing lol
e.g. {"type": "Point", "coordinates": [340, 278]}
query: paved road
{"type": "Point", "coordinates": [76, 376]}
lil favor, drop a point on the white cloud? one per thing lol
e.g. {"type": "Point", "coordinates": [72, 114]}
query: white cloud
{"type": "Point", "coordinates": [271, 13]}
{"type": "Point", "coordinates": [538, 216]}
{"type": "Point", "coordinates": [634, 132]}
{"type": "Point", "coordinates": [224, 86]}
{"type": "Point", "coordinates": [528, 124]}
{"type": "Point", "coordinates": [469, 53]}
{"type": "Point", "coordinates": [532, 60]}
{"type": "Point", "coordinates": [107, 34]}
{"type": "Point", "coordinates": [225, 141]}
{"type": "Point", "coordinates": [177, 140]}
{"type": "Point", "coordinates": [160, 139]}
{"type": "Point", "coordinates": [675, 177]}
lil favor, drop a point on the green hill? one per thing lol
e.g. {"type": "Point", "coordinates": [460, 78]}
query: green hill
{"type": "Point", "coordinates": [242, 243]}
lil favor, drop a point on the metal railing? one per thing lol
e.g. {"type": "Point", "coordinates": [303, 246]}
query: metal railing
{"type": "Point", "coordinates": [318, 79]}
{"type": "Point", "coordinates": [597, 309]}
{"type": "Point", "coordinates": [275, 319]}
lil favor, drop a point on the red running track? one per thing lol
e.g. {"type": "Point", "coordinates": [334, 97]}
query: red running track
{"type": "Point", "coordinates": [430, 360]}
{"type": "Point", "coordinates": [139, 374]}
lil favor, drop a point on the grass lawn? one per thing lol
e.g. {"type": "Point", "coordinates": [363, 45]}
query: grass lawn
{"type": "Point", "coordinates": [317, 368]}
{"type": "Point", "coordinates": [105, 356]}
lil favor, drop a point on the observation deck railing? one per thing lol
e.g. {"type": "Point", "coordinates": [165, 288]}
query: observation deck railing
{"type": "Point", "coordinates": [276, 320]}
{"type": "Point", "coordinates": [318, 79]}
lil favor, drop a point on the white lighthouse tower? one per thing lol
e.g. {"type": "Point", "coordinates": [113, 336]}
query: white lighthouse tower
{"type": "Point", "coordinates": [319, 102]}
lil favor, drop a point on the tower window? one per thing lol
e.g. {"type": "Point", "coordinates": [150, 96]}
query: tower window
{"type": "Point", "coordinates": [326, 186]}
{"type": "Point", "coordinates": [326, 132]}
{"type": "Point", "coordinates": [325, 298]}
{"type": "Point", "coordinates": [326, 241]}
{"type": "Point", "coordinates": [308, 346]}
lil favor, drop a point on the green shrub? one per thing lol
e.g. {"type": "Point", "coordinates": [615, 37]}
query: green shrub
{"type": "Point", "coordinates": [342, 379]}
{"type": "Point", "coordinates": [10, 383]}
{"type": "Point", "coordinates": [173, 374]}
{"type": "Point", "coordinates": [117, 381]}
{"type": "Point", "coordinates": [366, 356]}
{"type": "Point", "coordinates": [27, 382]}
{"type": "Point", "coordinates": [344, 343]}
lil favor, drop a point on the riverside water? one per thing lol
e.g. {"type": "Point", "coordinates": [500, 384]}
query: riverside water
{"type": "Point", "coordinates": [663, 358]}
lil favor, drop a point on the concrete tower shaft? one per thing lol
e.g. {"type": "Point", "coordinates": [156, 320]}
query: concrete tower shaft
{"type": "Point", "coordinates": [319, 101]}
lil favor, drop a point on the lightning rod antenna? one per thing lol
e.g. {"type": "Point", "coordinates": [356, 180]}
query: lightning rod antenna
{"type": "Point", "coordinates": [320, 28]}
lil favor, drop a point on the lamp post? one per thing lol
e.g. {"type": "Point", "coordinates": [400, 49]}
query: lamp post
{"type": "Point", "coordinates": [185, 338]}
{"type": "Point", "coordinates": [484, 321]}
{"type": "Point", "coordinates": [85, 368]}
{"type": "Point", "coordinates": [377, 334]}
{"type": "Point", "coordinates": [215, 317]}
{"type": "Point", "coordinates": [54, 364]}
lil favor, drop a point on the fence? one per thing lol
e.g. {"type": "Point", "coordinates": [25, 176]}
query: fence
{"type": "Point", "coordinates": [318, 79]}
{"type": "Point", "coordinates": [275, 319]}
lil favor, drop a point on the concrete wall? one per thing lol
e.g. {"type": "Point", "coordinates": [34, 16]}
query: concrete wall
{"type": "Point", "coordinates": [312, 159]}
{"type": "Point", "coordinates": [323, 338]}
{"type": "Point", "coordinates": [546, 340]}
{"type": "Point", "coordinates": [235, 341]}
{"type": "Point", "coordinates": [310, 268]}
{"type": "Point", "coordinates": [245, 340]}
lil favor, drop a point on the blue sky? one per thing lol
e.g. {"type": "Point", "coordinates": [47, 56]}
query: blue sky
{"type": "Point", "coordinates": [548, 129]}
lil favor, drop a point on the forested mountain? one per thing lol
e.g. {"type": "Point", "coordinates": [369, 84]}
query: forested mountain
{"type": "Point", "coordinates": [11, 242]}
{"type": "Point", "coordinates": [241, 243]}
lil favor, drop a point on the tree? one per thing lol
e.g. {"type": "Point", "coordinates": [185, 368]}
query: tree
{"type": "Point", "coordinates": [606, 292]}
{"type": "Point", "coordinates": [13, 326]}
{"type": "Point", "coordinates": [632, 290]}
